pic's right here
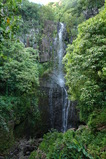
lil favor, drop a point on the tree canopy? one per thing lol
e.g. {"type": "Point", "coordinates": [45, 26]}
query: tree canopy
{"type": "Point", "coordinates": [85, 65]}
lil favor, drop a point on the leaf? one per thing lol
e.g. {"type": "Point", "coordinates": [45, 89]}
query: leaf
{"type": "Point", "coordinates": [8, 21]}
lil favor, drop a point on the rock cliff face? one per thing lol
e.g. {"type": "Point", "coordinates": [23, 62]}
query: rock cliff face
{"type": "Point", "coordinates": [90, 13]}
{"type": "Point", "coordinates": [50, 106]}
{"type": "Point", "coordinates": [47, 42]}
{"type": "Point", "coordinates": [51, 97]}
{"type": "Point", "coordinates": [52, 94]}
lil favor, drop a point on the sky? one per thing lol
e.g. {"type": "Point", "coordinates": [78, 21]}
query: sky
{"type": "Point", "coordinates": [43, 1]}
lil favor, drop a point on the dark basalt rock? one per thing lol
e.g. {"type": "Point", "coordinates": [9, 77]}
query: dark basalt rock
{"type": "Point", "coordinates": [23, 149]}
{"type": "Point", "coordinates": [90, 13]}
{"type": "Point", "coordinates": [46, 46]}
{"type": "Point", "coordinates": [57, 108]}
{"type": "Point", "coordinates": [28, 149]}
{"type": "Point", "coordinates": [51, 100]}
{"type": "Point", "coordinates": [73, 118]}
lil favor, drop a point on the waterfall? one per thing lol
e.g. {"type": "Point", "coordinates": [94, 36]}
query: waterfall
{"type": "Point", "coordinates": [65, 110]}
{"type": "Point", "coordinates": [58, 78]}
{"type": "Point", "coordinates": [61, 80]}
{"type": "Point", "coordinates": [60, 74]}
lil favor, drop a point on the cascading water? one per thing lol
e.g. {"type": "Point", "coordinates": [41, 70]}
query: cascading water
{"type": "Point", "coordinates": [60, 79]}
{"type": "Point", "coordinates": [65, 110]}
{"type": "Point", "coordinates": [55, 105]}
{"type": "Point", "coordinates": [60, 75]}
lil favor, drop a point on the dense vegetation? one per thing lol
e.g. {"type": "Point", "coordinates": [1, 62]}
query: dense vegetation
{"type": "Point", "coordinates": [74, 12]}
{"type": "Point", "coordinates": [19, 78]}
{"type": "Point", "coordinates": [21, 27]}
{"type": "Point", "coordinates": [21, 34]}
{"type": "Point", "coordinates": [80, 144]}
{"type": "Point", "coordinates": [85, 66]}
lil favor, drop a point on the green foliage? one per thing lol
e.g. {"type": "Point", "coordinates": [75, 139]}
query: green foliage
{"type": "Point", "coordinates": [6, 138]}
{"type": "Point", "coordinates": [67, 148]}
{"type": "Point", "coordinates": [91, 4]}
{"type": "Point", "coordinates": [19, 66]}
{"type": "Point", "coordinates": [94, 142]}
{"type": "Point", "coordinates": [97, 120]}
{"type": "Point", "coordinates": [8, 27]}
{"type": "Point", "coordinates": [20, 71]}
{"type": "Point", "coordinates": [29, 27]}
{"type": "Point", "coordinates": [84, 64]}
{"type": "Point", "coordinates": [32, 24]}
{"type": "Point", "coordinates": [46, 13]}
{"type": "Point", "coordinates": [81, 143]}
{"type": "Point", "coordinates": [74, 12]}
{"type": "Point", "coordinates": [61, 146]}
{"type": "Point", "coordinates": [8, 18]}
{"type": "Point", "coordinates": [8, 24]}
{"type": "Point", "coordinates": [33, 155]}
{"type": "Point", "coordinates": [97, 146]}
{"type": "Point", "coordinates": [49, 140]}
{"type": "Point", "coordinates": [19, 79]}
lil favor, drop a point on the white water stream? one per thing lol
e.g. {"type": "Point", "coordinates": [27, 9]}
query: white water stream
{"type": "Point", "coordinates": [61, 80]}
{"type": "Point", "coordinates": [58, 76]}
